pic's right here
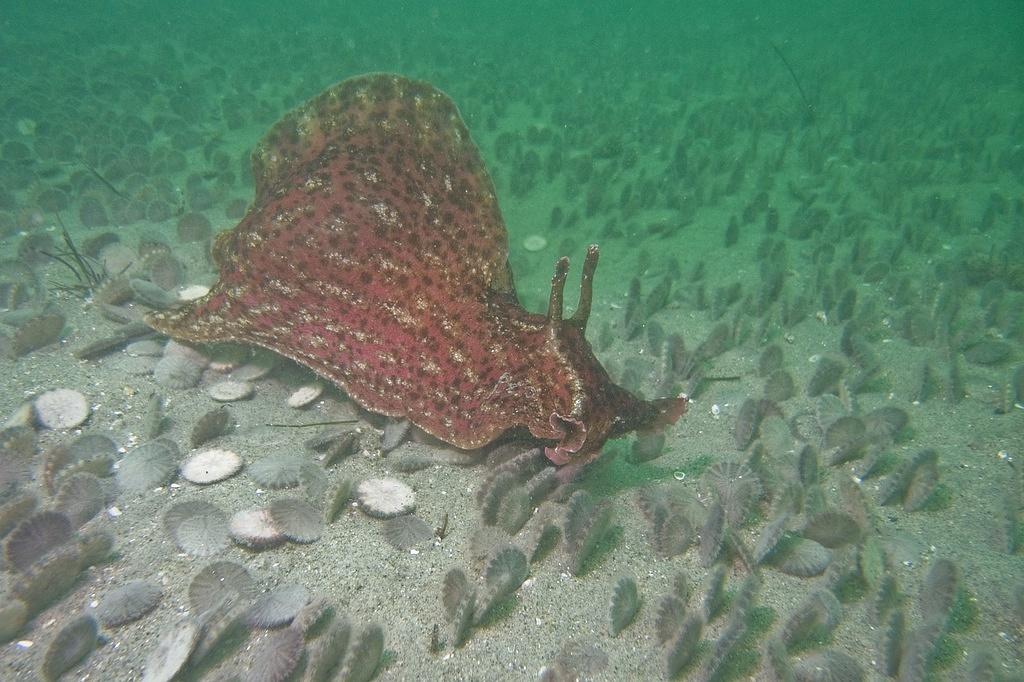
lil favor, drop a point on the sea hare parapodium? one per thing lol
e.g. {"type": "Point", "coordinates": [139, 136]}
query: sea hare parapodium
{"type": "Point", "coordinates": [375, 254]}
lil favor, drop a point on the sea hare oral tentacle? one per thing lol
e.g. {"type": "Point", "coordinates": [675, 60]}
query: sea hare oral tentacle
{"type": "Point", "coordinates": [558, 290]}
{"type": "Point", "coordinates": [582, 314]}
{"type": "Point", "coordinates": [375, 255]}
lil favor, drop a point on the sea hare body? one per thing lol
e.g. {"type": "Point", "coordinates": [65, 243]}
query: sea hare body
{"type": "Point", "coordinates": [375, 255]}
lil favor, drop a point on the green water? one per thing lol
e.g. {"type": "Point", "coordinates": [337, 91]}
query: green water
{"type": "Point", "coordinates": [839, 180]}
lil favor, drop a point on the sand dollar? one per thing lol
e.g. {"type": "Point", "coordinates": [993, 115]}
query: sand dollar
{"type": "Point", "coordinates": [535, 242]}
{"type": "Point", "coordinates": [230, 390]}
{"type": "Point", "coordinates": [254, 528]}
{"type": "Point", "coordinates": [62, 408]}
{"type": "Point", "coordinates": [385, 498]}
{"type": "Point", "coordinates": [305, 395]}
{"type": "Point", "coordinates": [211, 466]}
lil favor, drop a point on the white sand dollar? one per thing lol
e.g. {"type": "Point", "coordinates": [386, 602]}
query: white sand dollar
{"type": "Point", "coordinates": [258, 367]}
{"type": "Point", "coordinates": [254, 528]}
{"type": "Point", "coordinates": [535, 242]}
{"type": "Point", "coordinates": [305, 395]}
{"type": "Point", "coordinates": [211, 466]}
{"type": "Point", "coordinates": [62, 408]}
{"type": "Point", "coordinates": [230, 390]}
{"type": "Point", "coordinates": [145, 348]}
{"type": "Point", "coordinates": [385, 498]}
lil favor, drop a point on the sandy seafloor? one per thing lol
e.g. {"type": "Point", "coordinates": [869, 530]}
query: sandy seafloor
{"type": "Point", "coordinates": [905, 133]}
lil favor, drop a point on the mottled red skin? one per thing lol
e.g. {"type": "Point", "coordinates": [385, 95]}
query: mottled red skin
{"type": "Point", "coordinates": [375, 255]}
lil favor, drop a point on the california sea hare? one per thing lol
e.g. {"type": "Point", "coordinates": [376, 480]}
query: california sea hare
{"type": "Point", "coordinates": [375, 255]}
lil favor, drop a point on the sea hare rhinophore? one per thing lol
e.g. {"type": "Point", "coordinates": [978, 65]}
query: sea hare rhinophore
{"type": "Point", "coordinates": [375, 255]}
